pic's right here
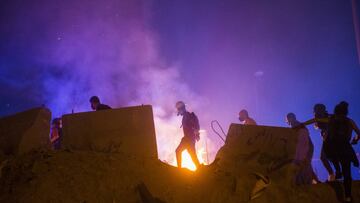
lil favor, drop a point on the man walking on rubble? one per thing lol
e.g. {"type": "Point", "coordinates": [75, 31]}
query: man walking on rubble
{"type": "Point", "coordinates": [191, 127]}
{"type": "Point", "coordinates": [304, 153]}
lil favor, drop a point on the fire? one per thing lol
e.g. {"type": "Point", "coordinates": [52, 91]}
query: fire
{"type": "Point", "coordinates": [168, 137]}
{"type": "Point", "coordinates": [187, 162]}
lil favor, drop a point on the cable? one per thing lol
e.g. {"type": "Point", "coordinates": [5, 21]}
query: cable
{"type": "Point", "coordinates": [216, 132]}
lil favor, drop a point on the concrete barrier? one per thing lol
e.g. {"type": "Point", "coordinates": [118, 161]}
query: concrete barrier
{"type": "Point", "coordinates": [25, 131]}
{"type": "Point", "coordinates": [125, 130]}
{"type": "Point", "coordinates": [258, 148]}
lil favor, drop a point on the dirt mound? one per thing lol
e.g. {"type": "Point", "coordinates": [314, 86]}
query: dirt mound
{"type": "Point", "coordinates": [252, 157]}
{"type": "Point", "coordinates": [80, 176]}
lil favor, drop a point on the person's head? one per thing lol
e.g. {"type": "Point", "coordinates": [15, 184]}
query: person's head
{"type": "Point", "coordinates": [94, 101]}
{"type": "Point", "coordinates": [342, 109]}
{"type": "Point", "coordinates": [291, 119]}
{"type": "Point", "coordinates": [243, 114]}
{"type": "Point", "coordinates": [56, 122]}
{"type": "Point", "coordinates": [180, 107]}
{"type": "Point", "coordinates": [320, 111]}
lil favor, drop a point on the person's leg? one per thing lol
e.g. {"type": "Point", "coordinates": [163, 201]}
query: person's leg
{"type": "Point", "coordinates": [192, 151]}
{"type": "Point", "coordinates": [337, 170]}
{"type": "Point", "coordinates": [346, 168]}
{"type": "Point", "coordinates": [314, 178]}
{"type": "Point", "coordinates": [325, 161]}
{"type": "Point", "coordinates": [179, 151]}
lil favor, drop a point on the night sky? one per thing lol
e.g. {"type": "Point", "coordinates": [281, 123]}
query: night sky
{"type": "Point", "coordinates": [270, 57]}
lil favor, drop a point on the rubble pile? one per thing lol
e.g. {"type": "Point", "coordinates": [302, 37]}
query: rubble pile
{"type": "Point", "coordinates": [111, 156]}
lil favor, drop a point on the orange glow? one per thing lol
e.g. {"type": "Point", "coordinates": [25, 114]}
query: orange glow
{"type": "Point", "coordinates": [186, 161]}
{"type": "Point", "coordinates": [168, 137]}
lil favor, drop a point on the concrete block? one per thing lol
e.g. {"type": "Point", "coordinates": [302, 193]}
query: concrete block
{"type": "Point", "coordinates": [25, 131]}
{"type": "Point", "coordinates": [258, 148]}
{"type": "Point", "coordinates": [125, 130]}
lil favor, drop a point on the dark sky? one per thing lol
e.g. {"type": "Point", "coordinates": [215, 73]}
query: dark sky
{"type": "Point", "coordinates": [60, 52]}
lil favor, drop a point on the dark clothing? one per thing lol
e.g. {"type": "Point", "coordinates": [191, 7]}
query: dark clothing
{"type": "Point", "coordinates": [57, 144]}
{"type": "Point", "coordinates": [102, 107]}
{"type": "Point", "coordinates": [191, 127]}
{"type": "Point", "coordinates": [325, 161]}
{"type": "Point", "coordinates": [339, 147]}
{"type": "Point", "coordinates": [56, 137]}
{"type": "Point", "coordinates": [324, 157]}
{"type": "Point", "coordinates": [303, 157]}
{"type": "Point", "coordinates": [189, 145]}
{"type": "Point", "coordinates": [346, 168]}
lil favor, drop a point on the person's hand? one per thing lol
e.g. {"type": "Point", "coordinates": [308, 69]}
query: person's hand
{"type": "Point", "coordinates": [355, 141]}
{"type": "Point", "coordinates": [197, 135]}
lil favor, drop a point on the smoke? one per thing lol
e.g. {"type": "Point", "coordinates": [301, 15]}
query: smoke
{"type": "Point", "coordinates": [131, 52]}
{"type": "Point", "coordinates": [108, 49]}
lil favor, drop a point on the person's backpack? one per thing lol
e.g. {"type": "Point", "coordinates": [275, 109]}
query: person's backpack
{"type": "Point", "coordinates": [195, 125]}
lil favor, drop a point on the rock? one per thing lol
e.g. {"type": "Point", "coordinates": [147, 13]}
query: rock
{"type": "Point", "coordinates": [84, 173]}
{"type": "Point", "coordinates": [25, 131]}
{"type": "Point", "coordinates": [128, 130]}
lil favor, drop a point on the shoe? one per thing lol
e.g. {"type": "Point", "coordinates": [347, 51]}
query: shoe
{"type": "Point", "coordinates": [331, 178]}
{"type": "Point", "coordinates": [348, 199]}
{"type": "Point", "coordinates": [314, 182]}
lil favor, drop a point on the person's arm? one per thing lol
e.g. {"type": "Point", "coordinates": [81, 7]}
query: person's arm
{"type": "Point", "coordinates": [314, 120]}
{"type": "Point", "coordinates": [356, 129]}
{"type": "Point", "coordinates": [54, 135]}
{"type": "Point", "coordinates": [308, 122]}
{"type": "Point", "coordinates": [302, 125]}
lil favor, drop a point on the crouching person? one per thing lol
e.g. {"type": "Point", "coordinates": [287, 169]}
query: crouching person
{"type": "Point", "coordinates": [56, 133]}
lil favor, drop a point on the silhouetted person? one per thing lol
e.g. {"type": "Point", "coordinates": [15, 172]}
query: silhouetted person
{"type": "Point", "coordinates": [304, 152]}
{"type": "Point", "coordinates": [191, 127]}
{"type": "Point", "coordinates": [245, 119]}
{"type": "Point", "coordinates": [340, 149]}
{"type": "Point", "coordinates": [320, 112]}
{"type": "Point", "coordinates": [96, 105]}
{"type": "Point", "coordinates": [56, 133]}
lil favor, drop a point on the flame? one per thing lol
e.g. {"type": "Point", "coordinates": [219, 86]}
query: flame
{"type": "Point", "coordinates": [168, 137]}
{"type": "Point", "coordinates": [187, 162]}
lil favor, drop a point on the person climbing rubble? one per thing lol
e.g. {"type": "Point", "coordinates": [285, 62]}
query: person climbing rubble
{"type": "Point", "coordinates": [96, 105]}
{"type": "Point", "coordinates": [320, 113]}
{"type": "Point", "coordinates": [56, 133]}
{"type": "Point", "coordinates": [304, 153]}
{"type": "Point", "coordinates": [339, 147]}
{"type": "Point", "coordinates": [191, 127]}
{"type": "Point", "coordinates": [245, 119]}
